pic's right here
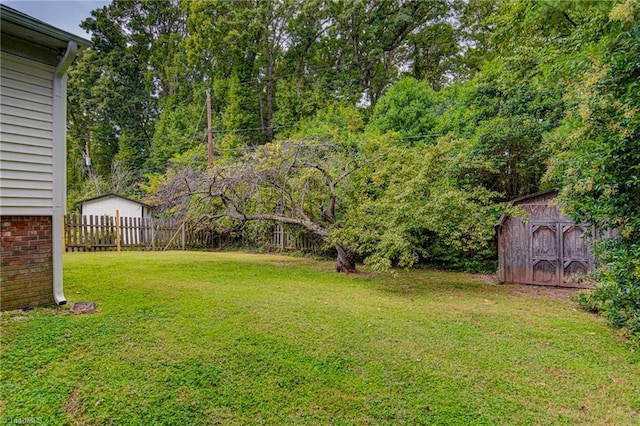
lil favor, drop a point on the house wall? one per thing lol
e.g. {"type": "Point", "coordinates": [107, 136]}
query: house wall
{"type": "Point", "coordinates": [34, 59]}
{"type": "Point", "coordinates": [26, 274]}
{"type": "Point", "coordinates": [108, 207]}
{"type": "Point", "coordinates": [28, 174]}
{"type": "Point", "coordinates": [26, 137]}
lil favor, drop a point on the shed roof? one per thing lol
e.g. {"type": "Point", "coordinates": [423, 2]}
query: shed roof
{"type": "Point", "coordinates": [523, 199]}
{"type": "Point", "coordinates": [520, 200]}
{"type": "Point", "coordinates": [109, 196]}
{"type": "Point", "coordinates": [21, 25]}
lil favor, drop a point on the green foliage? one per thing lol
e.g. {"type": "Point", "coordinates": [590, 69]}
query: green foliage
{"type": "Point", "coordinates": [299, 99]}
{"type": "Point", "coordinates": [392, 204]}
{"type": "Point", "coordinates": [434, 63]}
{"type": "Point", "coordinates": [599, 145]}
{"type": "Point", "coordinates": [237, 114]}
{"type": "Point", "coordinates": [508, 120]}
{"type": "Point", "coordinates": [88, 189]}
{"type": "Point", "coordinates": [337, 123]}
{"type": "Point", "coordinates": [409, 109]}
{"type": "Point", "coordinates": [598, 158]}
{"type": "Point", "coordinates": [474, 34]}
{"type": "Point", "coordinates": [135, 95]}
{"type": "Point", "coordinates": [415, 205]}
{"type": "Point", "coordinates": [115, 88]}
{"type": "Point", "coordinates": [616, 294]}
{"type": "Point", "coordinates": [179, 129]}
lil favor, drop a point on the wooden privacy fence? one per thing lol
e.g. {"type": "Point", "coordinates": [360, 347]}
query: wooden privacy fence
{"type": "Point", "coordinates": [287, 238]}
{"type": "Point", "coordinates": [107, 233]}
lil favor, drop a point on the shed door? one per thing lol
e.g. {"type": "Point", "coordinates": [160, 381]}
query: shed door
{"type": "Point", "coordinates": [558, 252]}
{"type": "Point", "coordinates": [544, 250]}
{"type": "Point", "coordinates": [576, 258]}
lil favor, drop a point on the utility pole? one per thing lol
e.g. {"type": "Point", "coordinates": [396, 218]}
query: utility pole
{"type": "Point", "coordinates": [87, 161]}
{"type": "Point", "coordinates": [209, 142]}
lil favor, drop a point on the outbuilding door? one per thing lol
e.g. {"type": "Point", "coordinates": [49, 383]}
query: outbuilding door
{"type": "Point", "coordinates": [559, 251]}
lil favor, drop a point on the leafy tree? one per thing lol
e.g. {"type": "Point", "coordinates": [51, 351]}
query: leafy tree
{"type": "Point", "coordinates": [361, 193]}
{"type": "Point", "coordinates": [408, 108]}
{"type": "Point", "coordinates": [507, 126]}
{"type": "Point", "coordinates": [598, 145]}
{"type": "Point", "coordinates": [239, 45]}
{"type": "Point", "coordinates": [299, 182]}
{"type": "Point", "coordinates": [178, 129]}
{"type": "Point", "coordinates": [437, 62]}
{"type": "Point", "coordinates": [416, 205]}
{"type": "Point", "coordinates": [114, 90]}
{"type": "Point", "coordinates": [473, 34]}
{"type": "Point", "coordinates": [268, 64]}
{"type": "Point", "coordinates": [597, 160]}
{"type": "Point", "coordinates": [372, 40]}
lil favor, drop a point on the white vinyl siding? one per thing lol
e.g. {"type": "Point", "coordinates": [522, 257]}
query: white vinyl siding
{"type": "Point", "coordinates": [26, 136]}
{"type": "Point", "coordinates": [107, 207]}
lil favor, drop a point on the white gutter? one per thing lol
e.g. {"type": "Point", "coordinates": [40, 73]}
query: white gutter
{"type": "Point", "coordinates": [60, 165]}
{"type": "Point", "coordinates": [65, 63]}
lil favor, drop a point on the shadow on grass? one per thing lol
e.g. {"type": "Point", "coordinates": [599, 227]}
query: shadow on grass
{"type": "Point", "coordinates": [428, 283]}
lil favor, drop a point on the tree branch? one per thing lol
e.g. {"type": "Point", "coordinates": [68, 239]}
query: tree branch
{"type": "Point", "coordinates": [312, 227]}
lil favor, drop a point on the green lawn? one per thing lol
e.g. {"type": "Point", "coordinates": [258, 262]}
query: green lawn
{"type": "Point", "coordinates": [187, 338]}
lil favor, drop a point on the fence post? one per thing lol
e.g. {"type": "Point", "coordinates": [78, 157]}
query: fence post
{"type": "Point", "coordinates": [118, 230]}
{"type": "Point", "coordinates": [153, 234]}
{"type": "Point", "coordinates": [184, 237]}
{"type": "Point", "coordinates": [86, 238]}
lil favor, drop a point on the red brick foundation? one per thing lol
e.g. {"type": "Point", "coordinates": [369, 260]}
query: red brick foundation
{"type": "Point", "coordinates": [26, 268]}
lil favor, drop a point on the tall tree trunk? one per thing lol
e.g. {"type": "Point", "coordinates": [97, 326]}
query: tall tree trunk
{"type": "Point", "coordinates": [346, 259]}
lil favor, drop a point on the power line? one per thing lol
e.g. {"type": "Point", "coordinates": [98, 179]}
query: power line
{"type": "Point", "coordinates": [198, 125]}
{"type": "Point", "coordinates": [298, 124]}
{"type": "Point", "coordinates": [254, 148]}
{"type": "Point", "coordinates": [248, 129]}
{"type": "Point", "coordinates": [251, 129]}
{"type": "Point", "coordinates": [289, 126]}
{"type": "Point", "coordinates": [308, 72]}
{"type": "Point", "coordinates": [322, 144]}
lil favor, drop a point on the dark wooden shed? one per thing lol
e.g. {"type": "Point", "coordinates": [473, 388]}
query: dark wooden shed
{"type": "Point", "coordinates": [547, 249]}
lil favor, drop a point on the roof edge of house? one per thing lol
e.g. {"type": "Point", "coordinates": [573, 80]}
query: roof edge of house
{"type": "Point", "coordinates": [15, 16]}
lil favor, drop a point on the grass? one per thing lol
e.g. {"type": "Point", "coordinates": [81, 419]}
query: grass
{"type": "Point", "coordinates": [232, 338]}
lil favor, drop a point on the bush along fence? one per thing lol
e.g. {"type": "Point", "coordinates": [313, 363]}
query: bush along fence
{"type": "Point", "coordinates": [110, 233]}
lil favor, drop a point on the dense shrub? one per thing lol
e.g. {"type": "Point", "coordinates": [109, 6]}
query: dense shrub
{"type": "Point", "coordinates": [617, 293]}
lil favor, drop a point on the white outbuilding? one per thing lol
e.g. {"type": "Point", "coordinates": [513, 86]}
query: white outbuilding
{"type": "Point", "coordinates": [108, 204]}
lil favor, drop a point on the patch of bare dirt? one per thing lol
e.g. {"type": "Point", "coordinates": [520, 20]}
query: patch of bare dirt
{"type": "Point", "coordinates": [555, 293]}
{"type": "Point", "coordinates": [489, 279]}
{"type": "Point", "coordinates": [75, 409]}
